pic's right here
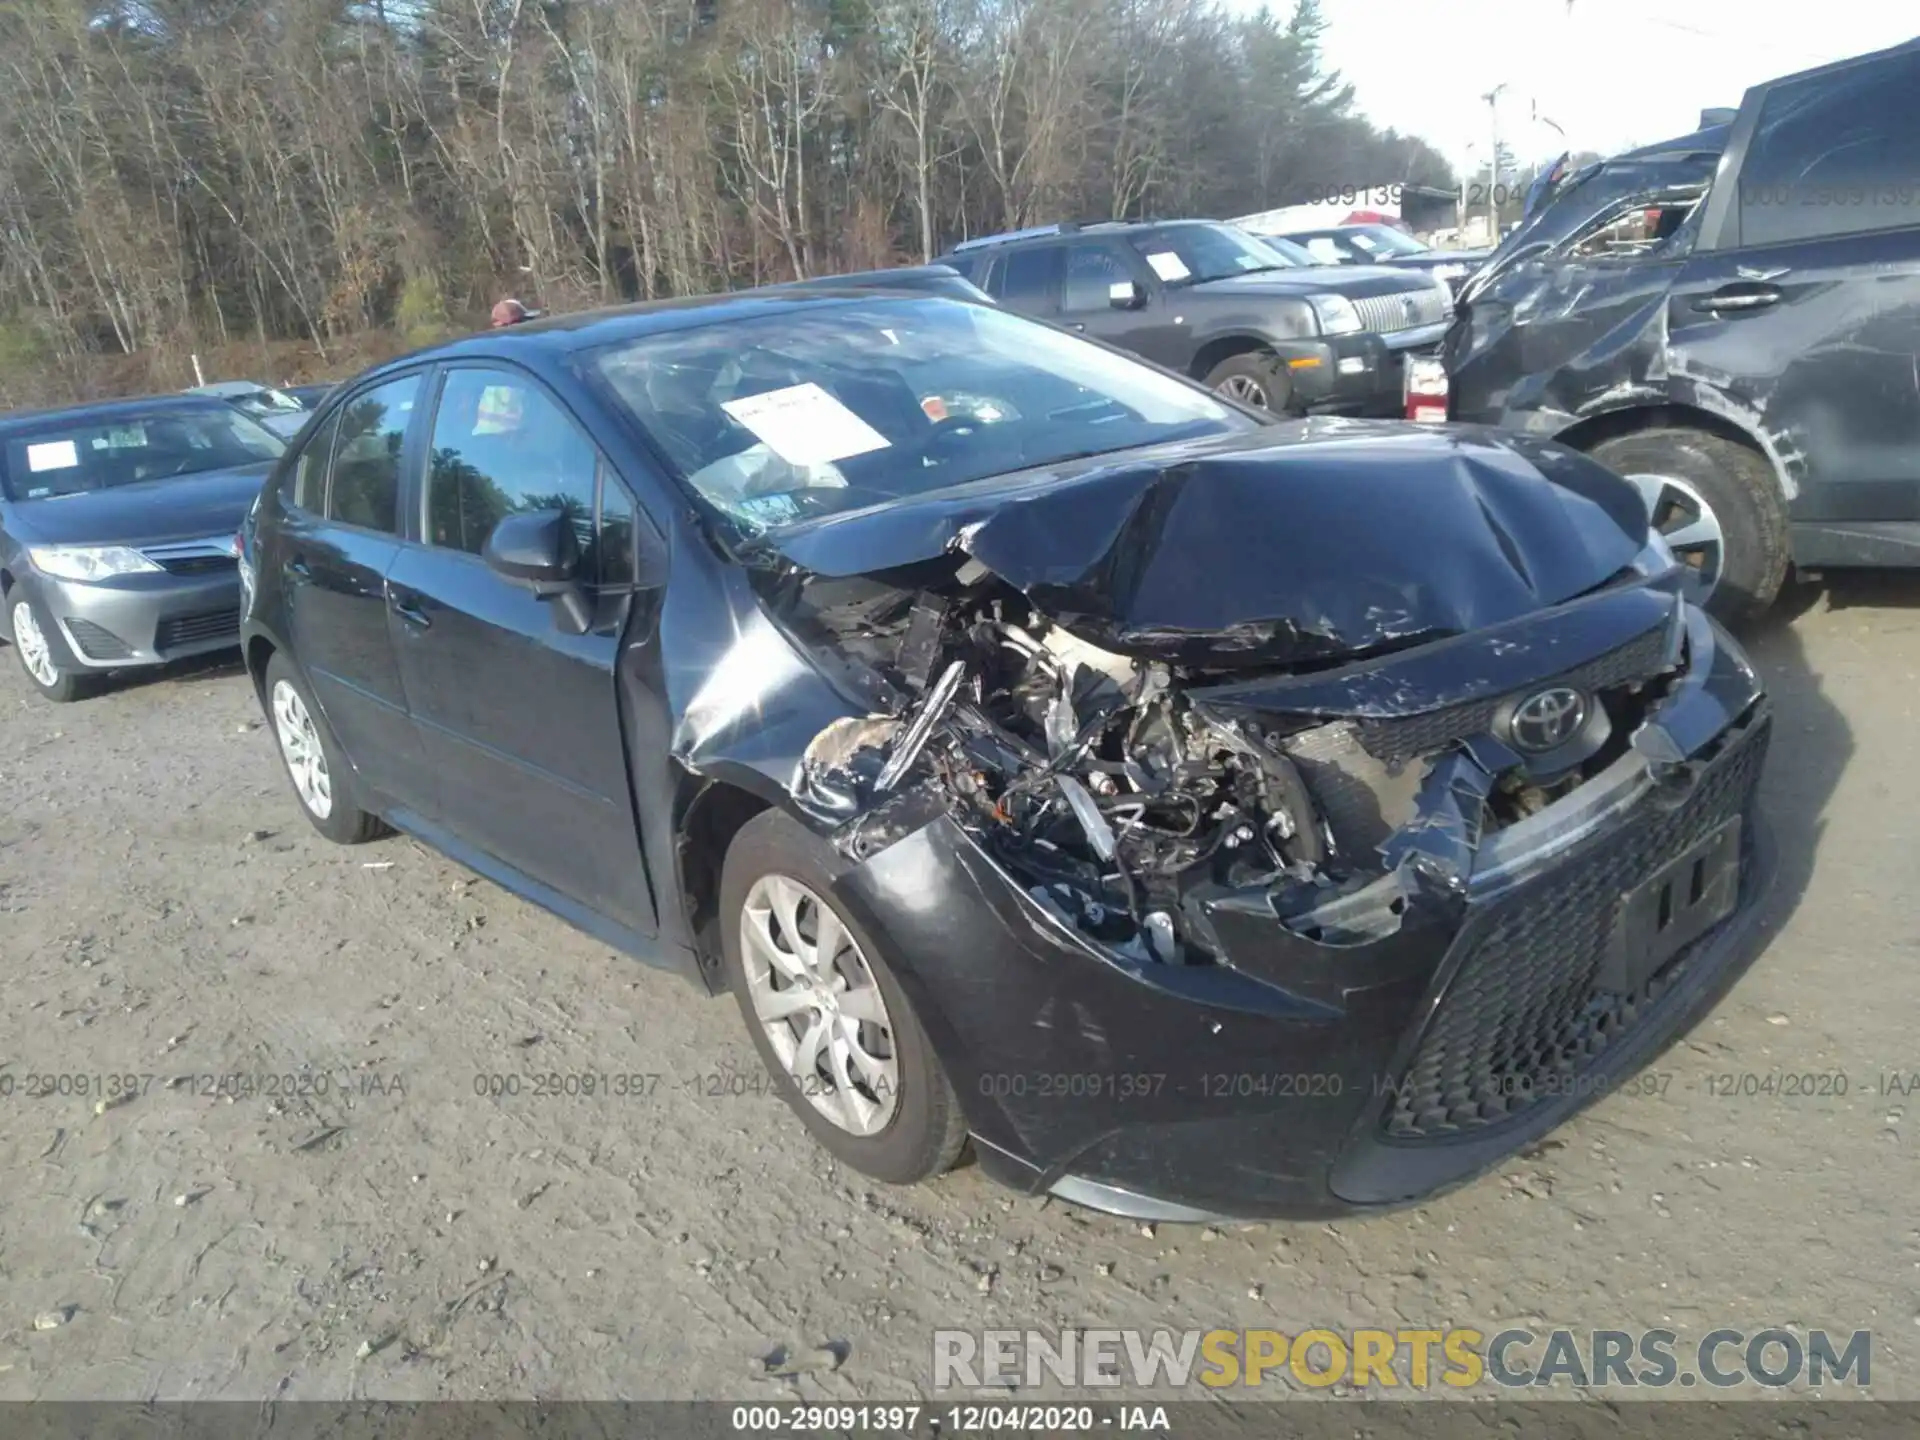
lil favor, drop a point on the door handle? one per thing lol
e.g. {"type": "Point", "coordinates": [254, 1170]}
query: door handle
{"type": "Point", "coordinates": [1737, 298]}
{"type": "Point", "coordinates": [407, 607]}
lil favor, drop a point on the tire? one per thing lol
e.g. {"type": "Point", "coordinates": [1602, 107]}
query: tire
{"type": "Point", "coordinates": [35, 651]}
{"type": "Point", "coordinates": [302, 734]}
{"type": "Point", "coordinates": [1676, 467]}
{"type": "Point", "coordinates": [923, 1133]}
{"type": "Point", "coordinates": [1254, 378]}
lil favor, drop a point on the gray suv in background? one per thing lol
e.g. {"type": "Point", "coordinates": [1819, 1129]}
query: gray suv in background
{"type": "Point", "coordinates": [1257, 320]}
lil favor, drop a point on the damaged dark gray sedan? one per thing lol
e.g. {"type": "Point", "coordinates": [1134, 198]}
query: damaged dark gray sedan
{"type": "Point", "coordinates": [1199, 814]}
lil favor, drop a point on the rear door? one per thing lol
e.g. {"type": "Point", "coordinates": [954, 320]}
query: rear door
{"type": "Point", "coordinates": [341, 535]}
{"type": "Point", "coordinates": [519, 716]}
{"type": "Point", "coordinates": [1802, 301]}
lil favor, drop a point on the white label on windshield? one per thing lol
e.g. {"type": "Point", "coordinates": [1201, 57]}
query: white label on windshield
{"type": "Point", "coordinates": [52, 455]}
{"type": "Point", "coordinates": [804, 425]}
{"type": "Point", "coordinates": [1168, 266]}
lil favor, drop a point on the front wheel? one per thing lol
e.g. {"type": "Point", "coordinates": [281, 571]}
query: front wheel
{"type": "Point", "coordinates": [321, 778]}
{"type": "Point", "coordinates": [830, 1021]}
{"type": "Point", "coordinates": [1255, 378]}
{"type": "Point", "coordinates": [1716, 504]}
{"type": "Point", "coordinates": [32, 644]}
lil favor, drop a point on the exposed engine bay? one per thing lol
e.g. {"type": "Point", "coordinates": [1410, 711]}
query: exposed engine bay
{"type": "Point", "coordinates": [1127, 809]}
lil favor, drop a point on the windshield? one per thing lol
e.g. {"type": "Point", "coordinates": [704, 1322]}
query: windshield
{"type": "Point", "coordinates": [1385, 240]}
{"type": "Point", "coordinates": [806, 412]}
{"type": "Point", "coordinates": [1190, 254]}
{"type": "Point", "coordinates": [67, 457]}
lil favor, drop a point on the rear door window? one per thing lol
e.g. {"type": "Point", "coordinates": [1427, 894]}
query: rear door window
{"type": "Point", "coordinates": [366, 461]}
{"type": "Point", "coordinates": [1835, 154]}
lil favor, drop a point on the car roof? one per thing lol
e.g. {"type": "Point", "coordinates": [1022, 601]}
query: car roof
{"type": "Point", "coordinates": [558, 335]}
{"type": "Point", "coordinates": [123, 408]}
{"type": "Point", "coordinates": [982, 244]}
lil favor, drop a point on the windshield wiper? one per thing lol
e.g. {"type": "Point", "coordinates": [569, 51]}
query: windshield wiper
{"type": "Point", "coordinates": [1235, 274]}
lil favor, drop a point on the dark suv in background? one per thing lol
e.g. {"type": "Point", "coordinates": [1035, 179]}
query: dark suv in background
{"type": "Point", "coordinates": [1730, 321]}
{"type": "Point", "coordinates": [1384, 245]}
{"type": "Point", "coordinates": [1257, 320]}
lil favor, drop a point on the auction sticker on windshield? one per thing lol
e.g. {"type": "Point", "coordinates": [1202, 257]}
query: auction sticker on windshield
{"type": "Point", "coordinates": [804, 425]}
{"type": "Point", "coordinates": [53, 455]}
{"type": "Point", "coordinates": [1168, 266]}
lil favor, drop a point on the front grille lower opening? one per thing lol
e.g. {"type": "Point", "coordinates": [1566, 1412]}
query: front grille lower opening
{"type": "Point", "coordinates": [1523, 1020]}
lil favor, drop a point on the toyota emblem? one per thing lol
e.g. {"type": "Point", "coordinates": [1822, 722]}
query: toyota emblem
{"type": "Point", "coordinates": [1547, 719]}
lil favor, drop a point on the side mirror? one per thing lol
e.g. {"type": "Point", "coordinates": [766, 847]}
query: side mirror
{"type": "Point", "coordinates": [541, 551]}
{"type": "Point", "coordinates": [538, 549]}
{"type": "Point", "coordinates": [1126, 295]}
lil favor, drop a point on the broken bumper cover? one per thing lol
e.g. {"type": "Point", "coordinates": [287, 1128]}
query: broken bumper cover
{"type": "Point", "coordinates": [1305, 1077]}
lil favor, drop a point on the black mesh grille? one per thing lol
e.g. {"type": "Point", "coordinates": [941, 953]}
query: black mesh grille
{"type": "Point", "coordinates": [1423, 734]}
{"type": "Point", "coordinates": [97, 642]}
{"type": "Point", "coordinates": [194, 629]}
{"type": "Point", "coordinates": [1523, 1018]}
{"type": "Point", "coordinates": [199, 564]}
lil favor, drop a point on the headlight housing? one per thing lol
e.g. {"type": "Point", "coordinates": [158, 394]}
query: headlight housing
{"type": "Point", "coordinates": [1336, 315]}
{"type": "Point", "coordinates": [87, 563]}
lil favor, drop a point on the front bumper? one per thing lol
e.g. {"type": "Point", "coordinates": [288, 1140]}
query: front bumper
{"type": "Point", "coordinates": [1361, 375]}
{"type": "Point", "coordinates": [1306, 1077]}
{"type": "Point", "coordinates": [144, 619]}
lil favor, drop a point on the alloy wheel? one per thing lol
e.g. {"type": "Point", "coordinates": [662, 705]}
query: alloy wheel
{"type": "Point", "coordinates": [1684, 519]}
{"type": "Point", "coordinates": [815, 995]}
{"type": "Point", "coordinates": [33, 647]}
{"type": "Point", "coordinates": [1245, 389]}
{"type": "Point", "coordinates": [300, 745]}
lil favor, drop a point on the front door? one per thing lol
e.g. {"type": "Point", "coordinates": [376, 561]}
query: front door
{"type": "Point", "coordinates": [519, 716]}
{"type": "Point", "coordinates": [1151, 330]}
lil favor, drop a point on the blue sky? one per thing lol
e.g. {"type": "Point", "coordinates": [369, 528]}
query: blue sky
{"type": "Point", "coordinates": [1611, 73]}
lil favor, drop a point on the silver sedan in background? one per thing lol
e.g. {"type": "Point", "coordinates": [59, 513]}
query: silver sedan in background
{"type": "Point", "coordinates": [117, 534]}
{"type": "Point", "coordinates": [281, 411]}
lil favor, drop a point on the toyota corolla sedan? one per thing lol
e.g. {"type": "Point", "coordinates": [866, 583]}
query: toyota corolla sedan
{"type": "Point", "coordinates": [117, 534]}
{"type": "Point", "coordinates": [1196, 814]}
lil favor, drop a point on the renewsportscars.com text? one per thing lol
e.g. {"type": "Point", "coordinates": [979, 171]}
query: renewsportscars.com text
{"type": "Point", "coordinates": [1453, 1358]}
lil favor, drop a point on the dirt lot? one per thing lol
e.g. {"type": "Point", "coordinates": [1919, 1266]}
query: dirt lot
{"type": "Point", "coordinates": [165, 911]}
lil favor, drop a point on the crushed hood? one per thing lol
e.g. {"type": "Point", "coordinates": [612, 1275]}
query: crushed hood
{"type": "Point", "coordinates": [1291, 544]}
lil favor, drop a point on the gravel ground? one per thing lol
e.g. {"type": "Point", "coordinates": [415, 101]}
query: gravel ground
{"type": "Point", "coordinates": [382, 1230]}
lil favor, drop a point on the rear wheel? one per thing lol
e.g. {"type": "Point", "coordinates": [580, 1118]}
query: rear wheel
{"type": "Point", "coordinates": [321, 778]}
{"type": "Point", "coordinates": [31, 642]}
{"type": "Point", "coordinates": [1254, 378]}
{"type": "Point", "coordinates": [830, 1021]}
{"type": "Point", "coordinates": [1718, 507]}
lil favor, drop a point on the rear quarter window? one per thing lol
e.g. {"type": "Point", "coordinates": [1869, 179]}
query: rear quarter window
{"type": "Point", "coordinates": [305, 485]}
